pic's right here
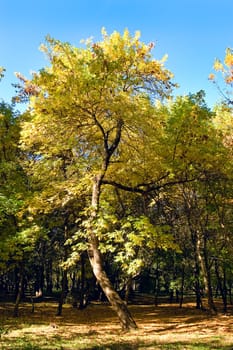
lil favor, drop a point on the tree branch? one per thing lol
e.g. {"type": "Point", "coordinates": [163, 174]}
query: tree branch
{"type": "Point", "coordinates": [146, 188]}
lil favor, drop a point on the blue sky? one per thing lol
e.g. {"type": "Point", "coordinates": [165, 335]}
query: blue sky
{"type": "Point", "coordinates": [192, 32]}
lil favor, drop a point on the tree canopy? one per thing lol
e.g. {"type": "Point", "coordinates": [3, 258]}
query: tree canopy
{"type": "Point", "coordinates": [105, 165]}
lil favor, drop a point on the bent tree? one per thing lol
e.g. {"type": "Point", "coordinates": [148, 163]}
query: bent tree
{"type": "Point", "coordinates": [96, 105]}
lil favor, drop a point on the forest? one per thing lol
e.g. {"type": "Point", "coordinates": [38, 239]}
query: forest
{"type": "Point", "coordinates": [112, 187]}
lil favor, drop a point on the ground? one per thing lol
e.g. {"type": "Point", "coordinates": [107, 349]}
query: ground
{"type": "Point", "coordinates": [162, 327]}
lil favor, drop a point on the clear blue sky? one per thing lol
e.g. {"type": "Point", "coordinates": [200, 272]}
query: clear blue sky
{"type": "Point", "coordinates": [192, 32]}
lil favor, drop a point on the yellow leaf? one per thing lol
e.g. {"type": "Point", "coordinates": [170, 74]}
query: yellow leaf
{"type": "Point", "coordinates": [218, 66]}
{"type": "Point", "coordinates": [211, 76]}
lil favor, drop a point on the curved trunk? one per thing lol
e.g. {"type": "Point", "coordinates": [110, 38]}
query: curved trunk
{"type": "Point", "coordinates": [113, 297]}
{"type": "Point", "coordinates": [96, 261]}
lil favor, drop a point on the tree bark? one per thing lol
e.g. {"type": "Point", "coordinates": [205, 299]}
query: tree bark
{"type": "Point", "coordinates": [221, 284]}
{"type": "Point", "coordinates": [113, 297]}
{"type": "Point", "coordinates": [63, 293]}
{"type": "Point", "coordinates": [182, 286]}
{"type": "Point", "coordinates": [128, 289]}
{"type": "Point", "coordinates": [207, 277]}
{"type": "Point", "coordinates": [95, 257]}
{"type": "Point", "coordinates": [156, 287]}
{"type": "Point", "coordinates": [49, 277]}
{"type": "Point", "coordinates": [197, 285]}
{"type": "Point", "coordinates": [82, 297]}
{"type": "Point", "coordinates": [19, 293]}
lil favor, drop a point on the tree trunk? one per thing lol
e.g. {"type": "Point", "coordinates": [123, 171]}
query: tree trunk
{"type": "Point", "coordinates": [197, 285]}
{"type": "Point", "coordinates": [49, 276]}
{"type": "Point", "coordinates": [74, 290]}
{"type": "Point", "coordinates": [63, 293]}
{"type": "Point", "coordinates": [96, 261]}
{"type": "Point", "coordinates": [230, 292]}
{"type": "Point", "coordinates": [113, 297]}
{"type": "Point", "coordinates": [19, 292]}
{"type": "Point", "coordinates": [182, 286]}
{"type": "Point", "coordinates": [221, 285]}
{"type": "Point", "coordinates": [157, 285]}
{"type": "Point", "coordinates": [207, 277]}
{"type": "Point", "coordinates": [83, 299]}
{"type": "Point", "coordinates": [128, 289]}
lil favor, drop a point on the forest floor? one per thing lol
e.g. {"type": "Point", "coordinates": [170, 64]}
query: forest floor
{"type": "Point", "coordinates": [159, 327]}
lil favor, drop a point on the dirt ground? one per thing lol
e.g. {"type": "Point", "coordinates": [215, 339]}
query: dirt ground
{"type": "Point", "coordinates": [97, 327]}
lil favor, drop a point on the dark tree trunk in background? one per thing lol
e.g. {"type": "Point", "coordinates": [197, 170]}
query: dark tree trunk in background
{"type": "Point", "coordinates": [128, 289]}
{"type": "Point", "coordinates": [49, 277]}
{"type": "Point", "coordinates": [63, 293]}
{"type": "Point", "coordinates": [230, 292]}
{"type": "Point", "coordinates": [157, 286]}
{"type": "Point", "coordinates": [221, 284]}
{"type": "Point", "coordinates": [197, 285]}
{"type": "Point", "coordinates": [207, 277]}
{"type": "Point", "coordinates": [74, 290]}
{"type": "Point", "coordinates": [182, 286]}
{"type": "Point", "coordinates": [19, 291]}
{"type": "Point", "coordinates": [82, 295]}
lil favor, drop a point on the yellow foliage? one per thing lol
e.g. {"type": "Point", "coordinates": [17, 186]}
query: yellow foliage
{"type": "Point", "coordinates": [229, 58]}
{"type": "Point", "coordinates": [226, 70]}
{"type": "Point", "coordinates": [218, 66]}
